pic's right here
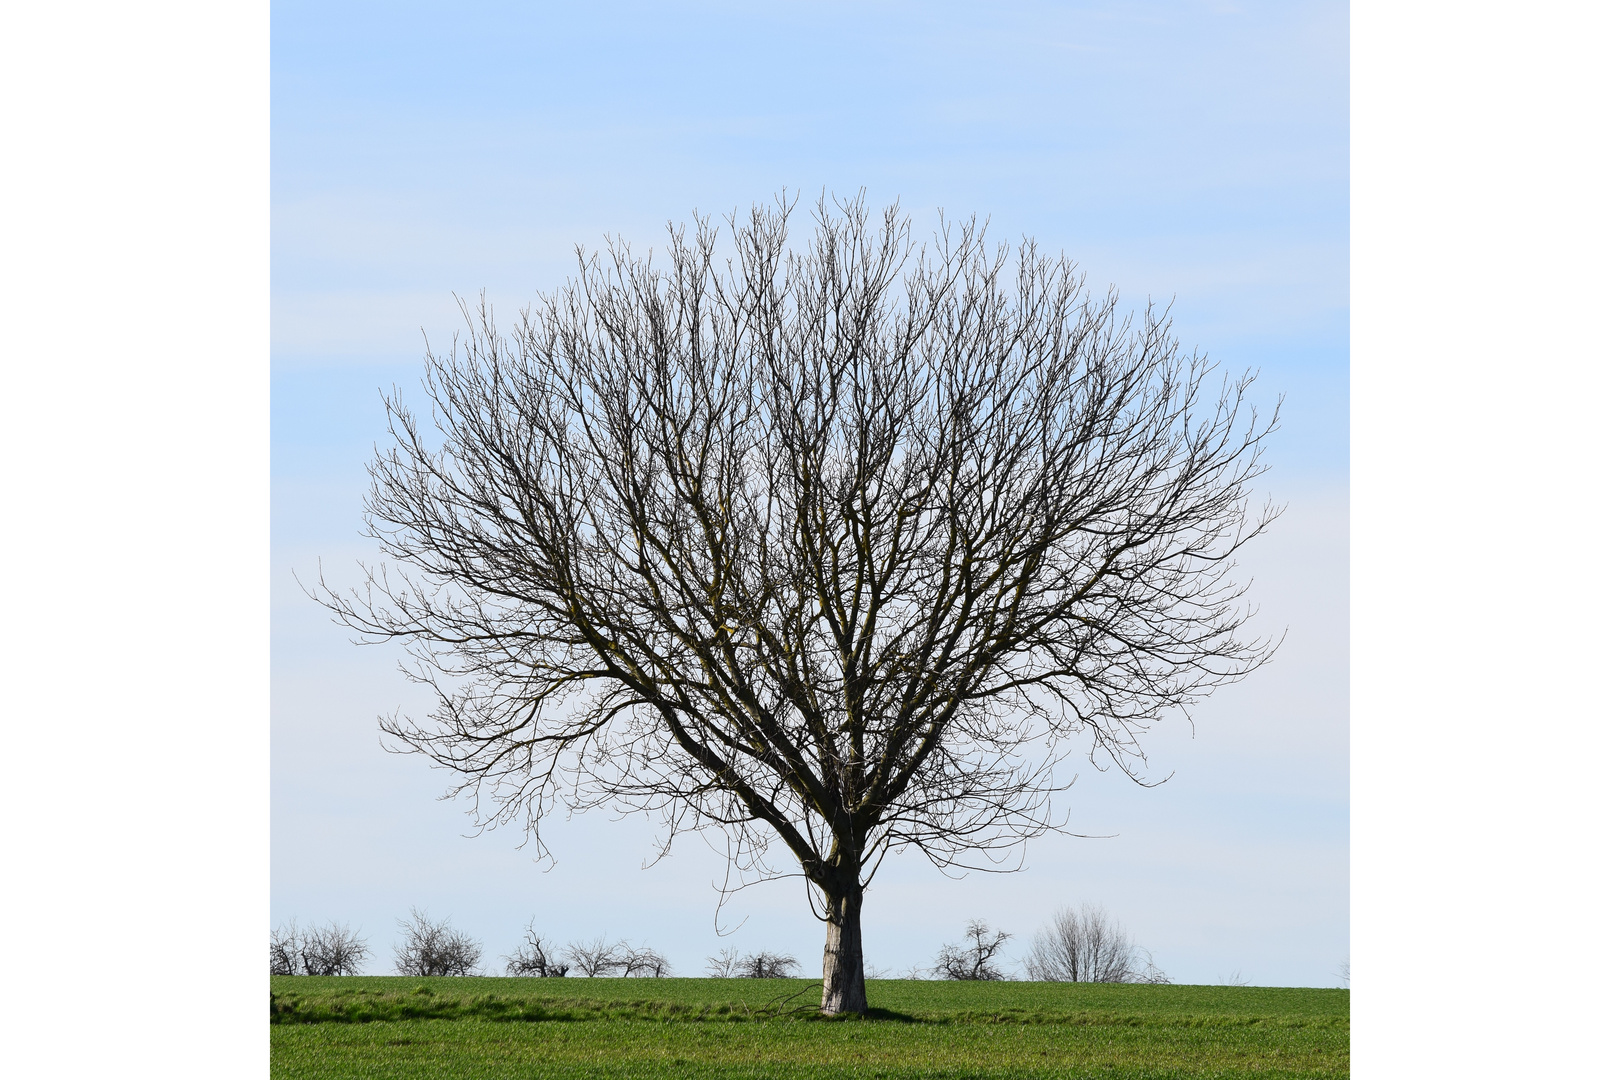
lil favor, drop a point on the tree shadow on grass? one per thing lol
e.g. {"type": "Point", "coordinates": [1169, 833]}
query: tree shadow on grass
{"type": "Point", "coordinates": [890, 1016]}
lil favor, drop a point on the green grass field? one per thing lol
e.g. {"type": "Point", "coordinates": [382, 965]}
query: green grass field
{"type": "Point", "coordinates": [385, 1028]}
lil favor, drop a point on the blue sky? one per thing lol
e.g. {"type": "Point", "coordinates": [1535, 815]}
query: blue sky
{"type": "Point", "coordinates": [1196, 151]}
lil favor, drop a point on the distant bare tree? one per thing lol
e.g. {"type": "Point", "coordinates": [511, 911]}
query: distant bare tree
{"type": "Point", "coordinates": [1235, 978]}
{"type": "Point", "coordinates": [645, 962]}
{"type": "Point", "coordinates": [535, 957]}
{"type": "Point", "coordinates": [830, 549]}
{"type": "Point", "coordinates": [1344, 971]}
{"type": "Point", "coordinates": [594, 959]}
{"type": "Point", "coordinates": [725, 966]}
{"type": "Point", "coordinates": [284, 959]}
{"type": "Point", "coordinates": [435, 948]}
{"type": "Point", "coordinates": [322, 950]}
{"type": "Point", "coordinates": [332, 950]}
{"type": "Point", "coordinates": [768, 965]}
{"type": "Point", "coordinates": [976, 959]}
{"type": "Point", "coordinates": [758, 965]}
{"type": "Point", "coordinates": [1088, 946]}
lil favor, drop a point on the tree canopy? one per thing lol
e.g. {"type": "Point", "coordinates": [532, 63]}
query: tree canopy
{"type": "Point", "coordinates": [832, 548]}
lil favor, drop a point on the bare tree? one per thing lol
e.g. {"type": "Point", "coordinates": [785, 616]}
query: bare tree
{"type": "Point", "coordinates": [759, 965]}
{"type": "Point", "coordinates": [594, 959]}
{"type": "Point", "coordinates": [435, 948]}
{"type": "Point", "coordinates": [768, 965]}
{"type": "Point", "coordinates": [728, 965]}
{"type": "Point", "coordinates": [323, 950]}
{"type": "Point", "coordinates": [645, 962]}
{"type": "Point", "coordinates": [829, 549]}
{"type": "Point", "coordinates": [1088, 946]}
{"type": "Point", "coordinates": [284, 959]}
{"type": "Point", "coordinates": [976, 959]}
{"type": "Point", "coordinates": [536, 957]}
{"type": "Point", "coordinates": [332, 950]}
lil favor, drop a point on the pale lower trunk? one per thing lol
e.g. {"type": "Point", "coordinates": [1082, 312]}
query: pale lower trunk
{"type": "Point", "coordinates": [843, 974]}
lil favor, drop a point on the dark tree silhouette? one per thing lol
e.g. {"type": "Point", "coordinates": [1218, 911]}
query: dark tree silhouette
{"type": "Point", "coordinates": [536, 957]}
{"type": "Point", "coordinates": [832, 549]}
{"type": "Point", "coordinates": [976, 960]}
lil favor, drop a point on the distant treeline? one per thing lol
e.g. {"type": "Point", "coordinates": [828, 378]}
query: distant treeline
{"type": "Point", "coordinates": [1076, 946]}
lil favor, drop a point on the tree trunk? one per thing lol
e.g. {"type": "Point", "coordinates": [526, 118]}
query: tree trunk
{"type": "Point", "coordinates": [843, 973]}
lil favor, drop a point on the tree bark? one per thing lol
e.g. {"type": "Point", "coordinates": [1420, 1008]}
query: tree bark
{"type": "Point", "coordinates": [843, 972]}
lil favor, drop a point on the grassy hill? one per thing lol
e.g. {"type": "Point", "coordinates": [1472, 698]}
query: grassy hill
{"type": "Point", "coordinates": [480, 1028]}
